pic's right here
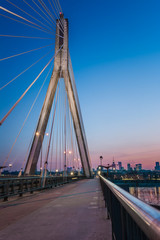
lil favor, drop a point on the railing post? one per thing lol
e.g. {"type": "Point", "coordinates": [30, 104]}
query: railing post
{"type": "Point", "coordinates": [6, 191]}
{"type": "Point", "coordinates": [12, 187]}
{"type": "Point", "coordinates": [123, 223]}
{"type": "Point", "coordinates": [40, 182]}
{"type": "Point", "coordinates": [21, 188]}
{"type": "Point", "coordinates": [31, 187]}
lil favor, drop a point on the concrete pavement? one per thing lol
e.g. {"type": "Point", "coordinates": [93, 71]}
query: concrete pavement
{"type": "Point", "coordinates": [74, 211]}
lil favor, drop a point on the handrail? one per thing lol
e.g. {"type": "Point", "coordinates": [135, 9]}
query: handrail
{"type": "Point", "coordinates": [146, 217]}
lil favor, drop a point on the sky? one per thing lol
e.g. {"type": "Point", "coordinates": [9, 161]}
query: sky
{"type": "Point", "coordinates": [115, 52]}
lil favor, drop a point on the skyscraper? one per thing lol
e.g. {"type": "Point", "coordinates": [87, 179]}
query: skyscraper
{"type": "Point", "coordinates": [138, 166]}
{"type": "Point", "coordinates": [119, 165]}
{"type": "Point", "coordinates": [129, 167]}
{"type": "Point", "coordinates": [157, 167]}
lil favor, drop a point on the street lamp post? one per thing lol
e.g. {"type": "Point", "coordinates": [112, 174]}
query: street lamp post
{"type": "Point", "coordinates": [65, 161]}
{"type": "Point", "coordinates": [10, 166]}
{"type": "Point", "coordinates": [65, 165]}
{"type": "Point", "coordinates": [38, 134]}
{"type": "Point", "coordinates": [20, 172]}
{"type": "Point", "coordinates": [56, 172]}
{"type": "Point", "coordinates": [101, 158]}
{"type": "Point", "coordinates": [45, 173]}
{"type": "Point", "coordinates": [41, 137]}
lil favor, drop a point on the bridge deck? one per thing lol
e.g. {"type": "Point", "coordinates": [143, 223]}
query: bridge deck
{"type": "Point", "coordinates": [73, 211]}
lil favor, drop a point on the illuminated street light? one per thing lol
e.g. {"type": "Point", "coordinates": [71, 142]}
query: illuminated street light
{"type": "Point", "coordinates": [10, 166]}
{"type": "Point", "coordinates": [69, 152]}
{"type": "Point", "coordinates": [38, 133]}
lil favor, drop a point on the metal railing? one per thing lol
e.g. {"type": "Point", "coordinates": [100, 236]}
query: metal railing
{"type": "Point", "coordinates": [18, 186]}
{"type": "Point", "coordinates": [131, 218]}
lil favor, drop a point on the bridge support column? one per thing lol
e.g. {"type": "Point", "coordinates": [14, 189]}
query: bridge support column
{"type": "Point", "coordinates": [61, 69]}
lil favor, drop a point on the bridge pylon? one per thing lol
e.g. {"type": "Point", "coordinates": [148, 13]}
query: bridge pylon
{"type": "Point", "coordinates": [62, 69]}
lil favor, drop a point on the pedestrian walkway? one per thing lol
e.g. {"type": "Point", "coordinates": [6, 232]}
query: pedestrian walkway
{"type": "Point", "coordinates": [74, 211]}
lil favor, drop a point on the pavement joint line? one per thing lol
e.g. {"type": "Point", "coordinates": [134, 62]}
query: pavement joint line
{"type": "Point", "coordinates": [93, 207]}
{"type": "Point", "coordinates": [58, 205]}
{"type": "Point", "coordinates": [74, 194]}
{"type": "Point", "coordinates": [93, 203]}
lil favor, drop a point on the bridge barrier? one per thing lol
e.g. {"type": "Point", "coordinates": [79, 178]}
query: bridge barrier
{"type": "Point", "coordinates": [18, 186]}
{"type": "Point", "coordinates": [131, 218]}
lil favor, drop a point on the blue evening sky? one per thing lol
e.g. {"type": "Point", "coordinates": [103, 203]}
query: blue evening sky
{"type": "Point", "coordinates": [115, 52]}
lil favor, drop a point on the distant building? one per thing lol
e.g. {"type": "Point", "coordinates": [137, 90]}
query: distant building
{"type": "Point", "coordinates": [157, 167]}
{"type": "Point", "coordinates": [119, 165]}
{"type": "Point", "coordinates": [113, 166]}
{"type": "Point", "coordinates": [129, 167]}
{"type": "Point", "coordinates": [69, 169]}
{"type": "Point", "coordinates": [138, 167]}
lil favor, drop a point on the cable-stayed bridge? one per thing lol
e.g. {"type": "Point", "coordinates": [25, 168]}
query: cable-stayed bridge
{"type": "Point", "coordinates": [70, 138]}
{"type": "Point", "coordinates": [41, 122]}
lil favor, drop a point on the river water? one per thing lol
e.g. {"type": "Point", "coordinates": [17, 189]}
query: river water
{"type": "Point", "coordinates": [150, 195]}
